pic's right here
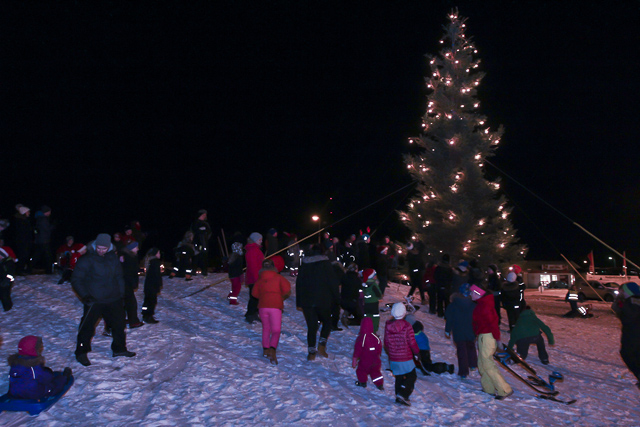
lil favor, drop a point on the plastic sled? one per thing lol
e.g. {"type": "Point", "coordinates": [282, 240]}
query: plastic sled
{"type": "Point", "coordinates": [33, 407]}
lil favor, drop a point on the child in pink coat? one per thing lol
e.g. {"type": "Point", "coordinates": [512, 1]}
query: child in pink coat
{"type": "Point", "coordinates": [366, 355]}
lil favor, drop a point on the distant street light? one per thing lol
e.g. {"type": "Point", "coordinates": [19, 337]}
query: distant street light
{"type": "Point", "coordinates": [614, 261]}
{"type": "Point", "coordinates": [316, 218]}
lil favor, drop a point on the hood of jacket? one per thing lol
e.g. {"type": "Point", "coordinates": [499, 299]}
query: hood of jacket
{"type": "Point", "coordinates": [26, 361]}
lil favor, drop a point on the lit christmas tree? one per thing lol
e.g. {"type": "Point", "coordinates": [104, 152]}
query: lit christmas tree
{"type": "Point", "coordinates": [456, 209]}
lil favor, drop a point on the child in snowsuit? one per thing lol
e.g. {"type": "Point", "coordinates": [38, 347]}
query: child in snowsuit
{"type": "Point", "coordinates": [372, 295]}
{"type": "Point", "coordinates": [401, 347]}
{"type": "Point", "coordinates": [235, 263]}
{"type": "Point", "coordinates": [426, 365]}
{"type": "Point", "coordinates": [366, 356]}
{"type": "Point", "coordinates": [29, 378]}
{"type": "Point", "coordinates": [527, 332]}
{"type": "Point", "coordinates": [459, 322]}
{"type": "Point", "coordinates": [271, 289]}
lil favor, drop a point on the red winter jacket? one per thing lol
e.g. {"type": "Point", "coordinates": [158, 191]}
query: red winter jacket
{"type": "Point", "coordinates": [368, 347]}
{"type": "Point", "coordinates": [271, 289]}
{"type": "Point", "coordinates": [400, 341]}
{"type": "Point", "coordinates": [253, 258]}
{"type": "Point", "coordinates": [485, 318]}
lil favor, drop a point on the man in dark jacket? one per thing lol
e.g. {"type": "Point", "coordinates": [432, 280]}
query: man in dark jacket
{"type": "Point", "coordinates": [99, 283]}
{"type": "Point", "coordinates": [627, 308]}
{"type": "Point", "coordinates": [201, 235]}
{"type": "Point", "coordinates": [23, 239]}
{"type": "Point", "coordinates": [130, 266]}
{"type": "Point", "coordinates": [443, 277]}
{"type": "Point", "coordinates": [316, 293]}
{"type": "Point", "coordinates": [43, 256]}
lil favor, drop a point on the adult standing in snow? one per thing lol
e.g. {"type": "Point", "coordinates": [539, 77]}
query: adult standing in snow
{"type": "Point", "coordinates": [130, 266]}
{"type": "Point", "coordinates": [316, 292]}
{"type": "Point", "coordinates": [272, 242]}
{"type": "Point", "coordinates": [43, 256]}
{"type": "Point", "coordinates": [23, 239]}
{"type": "Point", "coordinates": [443, 277]}
{"type": "Point", "coordinates": [459, 323]}
{"type": "Point", "coordinates": [416, 267]}
{"type": "Point", "coordinates": [152, 284]}
{"type": "Point", "coordinates": [527, 332]}
{"type": "Point", "coordinates": [494, 285]}
{"type": "Point", "coordinates": [485, 326]}
{"type": "Point", "coordinates": [201, 235]}
{"type": "Point", "coordinates": [253, 260]}
{"type": "Point", "coordinates": [99, 283]}
{"type": "Point", "coordinates": [513, 298]}
{"type": "Point", "coordinates": [627, 308]}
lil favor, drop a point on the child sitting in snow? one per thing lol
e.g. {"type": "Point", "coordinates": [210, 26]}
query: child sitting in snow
{"type": "Point", "coordinates": [29, 378]}
{"type": "Point", "coordinates": [425, 352]}
{"type": "Point", "coordinates": [366, 356]}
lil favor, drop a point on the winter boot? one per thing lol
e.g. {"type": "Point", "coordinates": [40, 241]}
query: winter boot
{"type": "Point", "coordinates": [83, 359]}
{"type": "Point", "coordinates": [322, 348]}
{"type": "Point", "coordinates": [266, 353]}
{"type": "Point", "coordinates": [187, 277]}
{"type": "Point", "coordinates": [149, 319]}
{"type": "Point", "coordinates": [125, 353]}
{"type": "Point", "coordinates": [312, 354]}
{"type": "Point", "coordinates": [359, 384]}
{"type": "Point", "coordinates": [274, 359]}
{"type": "Point", "coordinates": [403, 401]}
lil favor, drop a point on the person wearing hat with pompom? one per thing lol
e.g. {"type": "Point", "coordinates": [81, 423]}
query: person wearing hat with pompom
{"type": "Point", "coordinates": [627, 308]}
{"type": "Point", "coordinates": [512, 296]}
{"type": "Point", "coordinates": [486, 328]}
{"type": "Point", "coordinates": [401, 347]}
{"type": "Point", "coordinates": [29, 378]}
{"type": "Point", "coordinates": [372, 295]}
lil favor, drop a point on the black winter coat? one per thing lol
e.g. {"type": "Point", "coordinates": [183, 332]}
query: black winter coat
{"type": "Point", "coordinates": [317, 284]}
{"type": "Point", "coordinates": [99, 277]}
{"type": "Point", "coordinates": [201, 233]}
{"type": "Point", "coordinates": [153, 277]}
{"type": "Point", "coordinates": [130, 268]}
{"type": "Point", "coordinates": [351, 285]}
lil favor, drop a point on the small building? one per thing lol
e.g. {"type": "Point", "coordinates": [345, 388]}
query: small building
{"type": "Point", "coordinates": [535, 273]}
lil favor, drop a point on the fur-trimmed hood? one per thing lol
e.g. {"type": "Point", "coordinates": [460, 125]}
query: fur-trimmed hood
{"type": "Point", "coordinates": [26, 361]}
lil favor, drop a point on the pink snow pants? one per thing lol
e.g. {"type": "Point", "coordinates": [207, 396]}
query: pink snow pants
{"type": "Point", "coordinates": [271, 319]}
{"type": "Point", "coordinates": [236, 286]}
{"type": "Point", "coordinates": [373, 371]}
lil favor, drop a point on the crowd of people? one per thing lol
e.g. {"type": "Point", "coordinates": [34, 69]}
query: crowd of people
{"type": "Point", "coordinates": [335, 282]}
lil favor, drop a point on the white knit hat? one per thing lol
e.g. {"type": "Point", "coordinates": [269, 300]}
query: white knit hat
{"type": "Point", "coordinates": [398, 310]}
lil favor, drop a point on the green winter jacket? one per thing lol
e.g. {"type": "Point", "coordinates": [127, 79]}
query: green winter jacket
{"type": "Point", "coordinates": [371, 291]}
{"type": "Point", "coordinates": [528, 325]}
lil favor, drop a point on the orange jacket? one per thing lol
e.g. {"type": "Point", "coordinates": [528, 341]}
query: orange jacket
{"type": "Point", "coordinates": [271, 289]}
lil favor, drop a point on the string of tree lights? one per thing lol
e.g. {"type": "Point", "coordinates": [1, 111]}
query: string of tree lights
{"type": "Point", "coordinates": [456, 210]}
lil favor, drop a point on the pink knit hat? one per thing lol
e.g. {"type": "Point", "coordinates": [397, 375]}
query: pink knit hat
{"type": "Point", "coordinates": [29, 346]}
{"type": "Point", "coordinates": [476, 292]}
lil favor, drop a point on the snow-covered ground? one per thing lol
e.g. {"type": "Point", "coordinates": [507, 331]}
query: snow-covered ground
{"type": "Point", "coordinates": [201, 366]}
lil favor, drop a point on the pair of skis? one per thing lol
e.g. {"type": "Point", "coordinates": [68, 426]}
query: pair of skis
{"type": "Point", "coordinates": [545, 390]}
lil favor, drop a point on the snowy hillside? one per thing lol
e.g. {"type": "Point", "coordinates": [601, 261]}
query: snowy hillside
{"type": "Point", "coordinates": [200, 366]}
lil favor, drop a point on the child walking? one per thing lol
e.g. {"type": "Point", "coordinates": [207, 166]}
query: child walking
{"type": "Point", "coordinates": [271, 289]}
{"type": "Point", "coordinates": [366, 356]}
{"type": "Point", "coordinates": [401, 347]}
{"type": "Point", "coordinates": [235, 262]}
{"type": "Point", "coordinates": [29, 378]}
{"type": "Point", "coordinates": [372, 295]}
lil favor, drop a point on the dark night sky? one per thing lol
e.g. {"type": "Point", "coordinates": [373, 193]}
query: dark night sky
{"type": "Point", "coordinates": [261, 111]}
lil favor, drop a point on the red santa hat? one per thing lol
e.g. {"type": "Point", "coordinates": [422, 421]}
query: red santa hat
{"type": "Point", "coordinates": [368, 273]}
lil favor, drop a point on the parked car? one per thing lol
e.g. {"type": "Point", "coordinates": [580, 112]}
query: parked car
{"type": "Point", "coordinates": [598, 290]}
{"type": "Point", "coordinates": [557, 284]}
